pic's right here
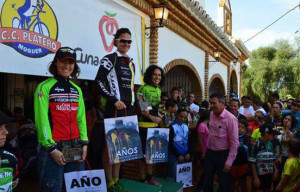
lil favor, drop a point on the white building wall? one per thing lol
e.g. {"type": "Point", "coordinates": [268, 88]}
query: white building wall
{"type": "Point", "coordinates": [218, 68]}
{"type": "Point", "coordinates": [236, 67]}
{"type": "Point", "coordinates": [172, 46]}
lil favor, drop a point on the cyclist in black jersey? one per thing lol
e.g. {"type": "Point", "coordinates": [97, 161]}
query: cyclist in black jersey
{"type": "Point", "coordinates": [115, 80]}
{"type": "Point", "coordinates": [8, 162]}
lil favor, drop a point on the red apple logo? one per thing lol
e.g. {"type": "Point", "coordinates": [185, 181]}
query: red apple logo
{"type": "Point", "coordinates": [111, 26]}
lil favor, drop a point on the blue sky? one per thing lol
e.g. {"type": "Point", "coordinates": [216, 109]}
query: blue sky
{"type": "Point", "coordinates": [250, 16]}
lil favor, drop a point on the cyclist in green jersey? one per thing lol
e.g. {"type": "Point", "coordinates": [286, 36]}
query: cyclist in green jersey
{"type": "Point", "coordinates": [60, 121]}
{"type": "Point", "coordinates": [154, 79]}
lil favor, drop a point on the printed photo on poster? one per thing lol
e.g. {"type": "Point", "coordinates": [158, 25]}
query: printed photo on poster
{"type": "Point", "coordinates": [184, 174]}
{"type": "Point", "coordinates": [157, 145]}
{"type": "Point", "coordinates": [123, 139]}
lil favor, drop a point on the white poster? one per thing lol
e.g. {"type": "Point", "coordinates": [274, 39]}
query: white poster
{"type": "Point", "coordinates": [31, 31]}
{"type": "Point", "coordinates": [85, 181]}
{"type": "Point", "coordinates": [184, 174]}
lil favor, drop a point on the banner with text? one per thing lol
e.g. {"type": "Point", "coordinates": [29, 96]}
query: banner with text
{"type": "Point", "coordinates": [32, 31]}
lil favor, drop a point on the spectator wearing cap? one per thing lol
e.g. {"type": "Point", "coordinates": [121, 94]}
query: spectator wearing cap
{"type": "Point", "coordinates": [289, 103]}
{"type": "Point", "coordinates": [60, 121]}
{"type": "Point", "coordinates": [233, 96]}
{"type": "Point", "coordinates": [8, 162]}
{"type": "Point", "coordinates": [262, 157]}
{"type": "Point", "coordinates": [222, 144]}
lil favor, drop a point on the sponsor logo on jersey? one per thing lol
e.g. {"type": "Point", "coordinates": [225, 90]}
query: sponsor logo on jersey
{"type": "Point", "coordinates": [59, 89]}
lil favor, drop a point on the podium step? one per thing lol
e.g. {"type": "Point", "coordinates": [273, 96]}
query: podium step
{"type": "Point", "coordinates": [134, 186]}
{"type": "Point", "coordinates": [167, 186]}
{"type": "Point", "coordinates": [170, 186]}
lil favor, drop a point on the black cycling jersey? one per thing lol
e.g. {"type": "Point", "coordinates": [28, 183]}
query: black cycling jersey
{"type": "Point", "coordinates": [115, 78]}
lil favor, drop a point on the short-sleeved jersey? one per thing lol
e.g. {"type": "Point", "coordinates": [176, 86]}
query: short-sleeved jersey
{"type": "Point", "coordinates": [263, 155]}
{"type": "Point", "coordinates": [292, 169]}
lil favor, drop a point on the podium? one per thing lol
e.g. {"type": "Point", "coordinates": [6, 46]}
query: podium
{"type": "Point", "coordinates": [167, 186]}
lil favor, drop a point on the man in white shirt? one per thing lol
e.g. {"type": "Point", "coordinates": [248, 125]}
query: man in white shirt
{"type": "Point", "coordinates": [247, 109]}
{"type": "Point", "coordinates": [194, 108]}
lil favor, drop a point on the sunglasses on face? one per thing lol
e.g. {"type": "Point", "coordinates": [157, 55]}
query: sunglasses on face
{"type": "Point", "coordinates": [125, 41]}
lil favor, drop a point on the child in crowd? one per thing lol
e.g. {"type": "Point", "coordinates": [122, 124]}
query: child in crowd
{"type": "Point", "coordinates": [179, 143]}
{"type": "Point", "coordinates": [239, 168]}
{"type": "Point", "coordinates": [202, 140]}
{"type": "Point", "coordinates": [262, 159]}
{"type": "Point", "coordinates": [253, 125]}
{"type": "Point", "coordinates": [278, 153]}
{"type": "Point", "coordinates": [260, 119]}
{"type": "Point", "coordinates": [8, 162]}
{"type": "Point", "coordinates": [291, 171]}
{"type": "Point", "coordinates": [169, 113]}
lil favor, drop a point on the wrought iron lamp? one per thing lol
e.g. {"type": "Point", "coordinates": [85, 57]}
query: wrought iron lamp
{"type": "Point", "coordinates": [160, 14]}
{"type": "Point", "coordinates": [217, 55]}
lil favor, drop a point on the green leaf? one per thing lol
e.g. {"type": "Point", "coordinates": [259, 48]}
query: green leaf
{"type": "Point", "coordinates": [110, 14]}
